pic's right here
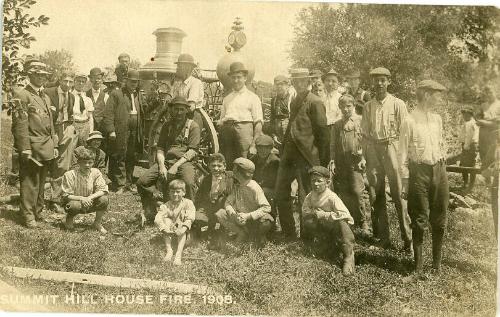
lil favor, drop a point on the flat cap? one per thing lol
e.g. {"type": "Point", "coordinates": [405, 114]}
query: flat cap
{"type": "Point", "coordinates": [430, 85]}
{"type": "Point", "coordinates": [353, 73]}
{"type": "Point", "coordinates": [467, 109]}
{"type": "Point", "coordinates": [132, 74]}
{"type": "Point", "coordinates": [319, 170]}
{"type": "Point", "coordinates": [95, 135]}
{"type": "Point", "coordinates": [80, 75]}
{"type": "Point", "coordinates": [380, 71]}
{"type": "Point", "coordinates": [280, 79]}
{"type": "Point", "coordinates": [245, 164]}
{"type": "Point", "coordinates": [179, 100]}
{"type": "Point", "coordinates": [299, 73]}
{"type": "Point", "coordinates": [264, 140]}
{"type": "Point", "coordinates": [96, 71]}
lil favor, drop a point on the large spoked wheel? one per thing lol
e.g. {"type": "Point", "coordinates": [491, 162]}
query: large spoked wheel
{"type": "Point", "coordinates": [209, 142]}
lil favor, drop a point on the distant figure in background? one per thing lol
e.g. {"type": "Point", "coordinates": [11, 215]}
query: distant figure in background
{"type": "Point", "coordinates": [35, 139]}
{"type": "Point", "coordinates": [280, 107]}
{"type": "Point", "coordinates": [189, 87]}
{"type": "Point", "coordinates": [489, 124]}
{"type": "Point", "coordinates": [98, 96]}
{"type": "Point", "coordinates": [469, 138]}
{"type": "Point", "coordinates": [241, 117]}
{"type": "Point", "coordinates": [122, 69]}
{"type": "Point", "coordinates": [360, 95]}
{"type": "Point", "coordinates": [423, 171]}
{"type": "Point", "coordinates": [83, 109]}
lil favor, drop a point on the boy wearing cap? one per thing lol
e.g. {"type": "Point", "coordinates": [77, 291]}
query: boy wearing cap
{"type": "Point", "coordinates": [266, 168]}
{"type": "Point", "coordinates": [240, 118]}
{"type": "Point", "coordinates": [212, 193]}
{"type": "Point", "coordinates": [98, 96]}
{"type": "Point", "coordinates": [325, 214]}
{"type": "Point", "coordinates": [469, 138]}
{"type": "Point", "coordinates": [380, 127]}
{"type": "Point", "coordinates": [93, 144]}
{"type": "Point", "coordinates": [348, 162]}
{"type": "Point", "coordinates": [121, 124]}
{"type": "Point", "coordinates": [246, 210]}
{"type": "Point", "coordinates": [83, 118]}
{"type": "Point", "coordinates": [177, 147]}
{"type": "Point", "coordinates": [85, 190]}
{"type": "Point", "coordinates": [423, 171]}
{"type": "Point", "coordinates": [280, 107]}
{"type": "Point", "coordinates": [32, 120]}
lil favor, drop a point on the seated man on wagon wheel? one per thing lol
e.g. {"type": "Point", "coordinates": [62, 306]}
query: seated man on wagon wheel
{"type": "Point", "coordinates": [177, 147]}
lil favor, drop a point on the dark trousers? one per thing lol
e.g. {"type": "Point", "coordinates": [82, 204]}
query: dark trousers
{"type": "Point", "coordinates": [147, 182]}
{"type": "Point", "coordinates": [428, 196]}
{"type": "Point", "coordinates": [337, 232]}
{"type": "Point", "coordinates": [32, 181]}
{"type": "Point", "coordinates": [122, 163]}
{"type": "Point", "coordinates": [494, 202]}
{"type": "Point", "coordinates": [235, 140]}
{"type": "Point", "coordinates": [74, 207]}
{"type": "Point", "coordinates": [382, 161]}
{"type": "Point", "coordinates": [292, 166]}
{"type": "Point", "coordinates": [468, 159]}
{"type": "Point", "coordinates": [349, 185]}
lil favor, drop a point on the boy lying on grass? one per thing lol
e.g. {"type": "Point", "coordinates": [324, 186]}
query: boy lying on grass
{"type": "Point", "coordinates": [325, 214]}
{"type": "Point", "coordinates": [175, 219]}
{"type": "Point", "coordinates": [85, 190]}
{"type": "Point", "coordinates": [246, 211]}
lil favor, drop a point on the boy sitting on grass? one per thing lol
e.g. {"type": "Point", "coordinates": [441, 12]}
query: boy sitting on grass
{"type": "Point", "coordinates": [324, 213]}
{"type": "Point", "coordinates": [212, 194]}
{"type": "Point", "coordinates": [246, 211]}
{"type": "Point", "coordinates": [85, 190]}
{"type": "Point", "coordinates": [174, 219]}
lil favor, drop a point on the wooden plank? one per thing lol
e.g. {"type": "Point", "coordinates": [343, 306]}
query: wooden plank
{"type": "Point", "coordinates": [103, 280]}
{"type": "Point", "coordinates": [462, 169]}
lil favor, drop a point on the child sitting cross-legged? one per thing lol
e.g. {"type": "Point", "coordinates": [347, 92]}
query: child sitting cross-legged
{"type": "Point", "coordinates": [175, 218]}
{"type": "Point", "coordinates": [246, 211]}
{"type": "Point", "coordinates": [324, 213]}
{"type": "Point", "coordinates": [85, 190]}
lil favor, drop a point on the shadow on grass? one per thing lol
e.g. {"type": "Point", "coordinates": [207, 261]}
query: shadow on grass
{"type": "Point", "coordinates": [469, 267]}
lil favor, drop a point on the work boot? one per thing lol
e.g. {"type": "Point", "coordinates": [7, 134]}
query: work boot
{"type": "Point", "coordinates": [407, 248]}
{"type": "Point", "coordinates": [348, 252]}
{"type": "Point", "coordinates": [31, 224]}
{"type": "Point", "coordinates": [69, 223]}
{"type": "Point", "coordinates": [437, 246]}
{"type": "Point", "coordinates": [417, 253]}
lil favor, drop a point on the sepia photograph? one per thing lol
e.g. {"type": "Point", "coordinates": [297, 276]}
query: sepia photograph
{"type": "Point", "coordinates": [275, 158]}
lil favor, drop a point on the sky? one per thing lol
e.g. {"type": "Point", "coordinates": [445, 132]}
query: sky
{"type": "Point", "coordinates": [97, 31]}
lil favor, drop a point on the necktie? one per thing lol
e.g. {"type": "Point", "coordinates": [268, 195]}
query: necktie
{"type": "Point", "coordinates": [82, 105]}
{"type": "Point", "coordinates": [40, 93]}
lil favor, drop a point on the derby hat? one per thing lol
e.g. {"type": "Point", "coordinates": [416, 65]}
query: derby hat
{"type": "Point", "coordinates": [186, 59]}
{"type": "Point", "coordinates": [237, 67]}
{"type": "Point", "coordinates": [96, 71]}
{"type": "Point", "coordinates": [132, 74]}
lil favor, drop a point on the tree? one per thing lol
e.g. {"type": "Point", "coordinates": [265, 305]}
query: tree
{"type": "Point", "coordinates": [59, 61]}
{"type": "Point", "coordinates": [15, 25]}
{"type": "Point", "coordinates": [413, 41]}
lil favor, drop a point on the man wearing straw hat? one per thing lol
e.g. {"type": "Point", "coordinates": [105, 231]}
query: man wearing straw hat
{"type": "Point", "coordinates": [241, 117]}
{"type": "Point", "coordinates": [306, 144]}
{"type": "Point", "coordinates": [35, 138]}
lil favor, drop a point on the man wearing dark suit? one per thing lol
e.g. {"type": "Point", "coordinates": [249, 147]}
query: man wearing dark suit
{"type": "Point", "coordinates": [121, 124]}
{"type": "Point", "coordinates": [62, 102]}
{"type": "Point", "coordinates": [306, 144]}
{"type": "Point", "coordinates": [35, 139]}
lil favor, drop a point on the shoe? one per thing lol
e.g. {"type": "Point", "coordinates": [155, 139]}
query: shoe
{"type": "Point", "coordinates": [120, 191]}
{"type": "Point", "coordinates": [407, 248]}
{"type": "Point", "coordinates": [31, 224]}
{"type": "Point", "coordinates": [100, 228]}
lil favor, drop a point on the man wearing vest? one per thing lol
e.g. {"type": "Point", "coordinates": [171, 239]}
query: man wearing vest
{"type": "Point", "coordinates": [83, 118]}
{"type": "Point", "coordinates": [380, 128]}
{"type": "Point", "coordinates": [280, 107]}
{"type": "Point", "coordinates": [98, 96]}
{"type": "Point", "coordinates": [306, 144]}
{"type": "Point", "coordinates": [177, 147]}
{"type": "Point", "coordinates": [189, 87]}
{"type": "Point", "coordinates": [121, 123]}
{"type": "Point", "coordinates": [240, 118]}
{"type": "Point", "coordinates": [35, 139]}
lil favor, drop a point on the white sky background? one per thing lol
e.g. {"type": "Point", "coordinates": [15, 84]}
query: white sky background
{"type": "Point", "coordinates": [97, 31]}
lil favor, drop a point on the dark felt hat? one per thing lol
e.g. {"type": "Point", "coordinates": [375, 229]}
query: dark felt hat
{"type": "Point", "coordinates": [132, 74]}
{"type": "Point", "coordinates": [186, 59]}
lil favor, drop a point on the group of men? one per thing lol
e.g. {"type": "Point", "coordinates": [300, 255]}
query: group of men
{"type": "Point", "coordinates": [355, 135]}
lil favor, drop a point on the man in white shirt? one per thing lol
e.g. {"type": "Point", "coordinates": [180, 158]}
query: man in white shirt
{"type": "Point", "coordinates": [241, 117]}
{"type": "Point", "coordinates": [97, 95]}
{"type": "Point", "coordinates": [423, 171]}
{"type": "Point", "coordinates": [331, 101]}
{"type": "Point", "coordinates": [189, 87]}
{"type": "Point", "coordinates": [82, 110]}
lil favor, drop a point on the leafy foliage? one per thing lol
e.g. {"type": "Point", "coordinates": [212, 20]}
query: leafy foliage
{"type": "Point", "coordinates": [59, 61]}
{"type": "Point", "coordinates": [15, 36]}
{"type": "Point", "coordinates": [414, 42]}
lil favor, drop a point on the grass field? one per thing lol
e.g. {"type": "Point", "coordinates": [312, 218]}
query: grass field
{"type": "Point", "coordinates": [288, 279]}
